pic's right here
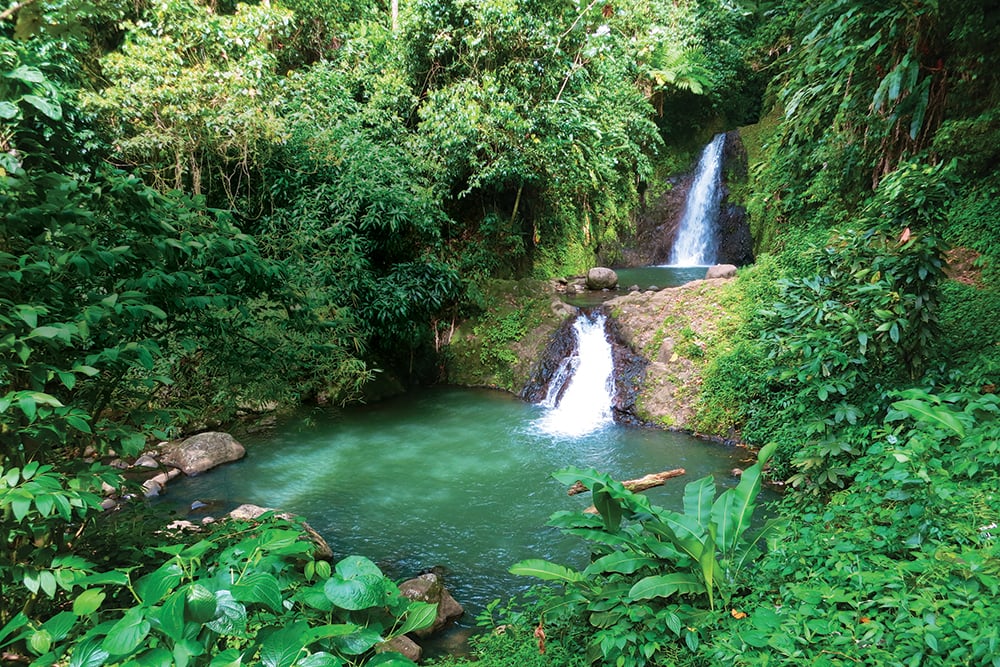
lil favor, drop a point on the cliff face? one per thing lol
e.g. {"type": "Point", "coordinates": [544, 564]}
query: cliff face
{"type": "Point", "coordinates": [662, 344]}
{"type": "Point", "coordinates": [672, 329]}
{"type": "Point", "coordinates": [658, 218]}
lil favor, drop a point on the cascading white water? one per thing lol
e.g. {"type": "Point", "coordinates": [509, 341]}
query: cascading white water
{"type": "Point", "coordinates": [696, 243]}
{"type": "Point", "coordinates": [580, 395]}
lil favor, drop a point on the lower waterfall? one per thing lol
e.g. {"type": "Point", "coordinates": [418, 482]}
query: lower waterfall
{"type": "Point", "coordinates": [580, 394]}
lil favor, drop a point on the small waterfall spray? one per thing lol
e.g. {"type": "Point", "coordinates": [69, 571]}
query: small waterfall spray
{"type": "Point", "coordinates": [581, 392]}
{"type": "Point", "coordinates": [696, 243]}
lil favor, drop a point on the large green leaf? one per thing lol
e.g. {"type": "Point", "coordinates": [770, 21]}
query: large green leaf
{"type": "Point", "coordinates": [259, 586]}
{"type": "Point", "coordinates": [321, 659]}
{"type": "Point", "coordinates": [622, 562]}
{"type": "Point", "coordinates": [418, 615]}
{"type": "Point", "coordinates": [390, 659]}
{"type": "Point", "coordinates": [608, 507]}
{"type": "Point", "coordinates": [361, 591]}
{"type": "Point", "coordinates": [154, 586]}
{"type": "Point", "coordinates": [698, 496]}
{"type": "Point", "coordinates": [543, 569]}
{"type": "Point", "coordinates": [666, 585]}
{"type": "Point", "coordinates": [88, 601]}
{"type": "Point", "coordinates": [88, 653]}
{"type": "Point", "coordinates": [283, 646]}
{"type": "Point", "coordinates": [127, 634]}
{"type": "Point", "coordinates": [230, 615]}
{"type": "Point", "coordinates": [939, 415]}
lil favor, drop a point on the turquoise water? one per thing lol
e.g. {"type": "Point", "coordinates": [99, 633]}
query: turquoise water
{"type": "Point", "coordinates": [457, 478]}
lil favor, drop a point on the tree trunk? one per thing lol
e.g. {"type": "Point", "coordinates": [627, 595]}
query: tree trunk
{"type": "Point", "coordinates": [641, 484]}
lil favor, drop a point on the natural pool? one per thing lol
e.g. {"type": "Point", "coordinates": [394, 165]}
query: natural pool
{"type": "Point", "coordinates": [450, 477]}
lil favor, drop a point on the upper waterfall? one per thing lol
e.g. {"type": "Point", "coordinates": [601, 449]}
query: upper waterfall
{"type": "Point", "coordinates": [697, 239]}
{"type": "Point", "coordinates": [580, 395]}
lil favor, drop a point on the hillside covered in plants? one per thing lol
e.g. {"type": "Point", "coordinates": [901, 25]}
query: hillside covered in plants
{"type": "Point", "coordinates": [210, 209]}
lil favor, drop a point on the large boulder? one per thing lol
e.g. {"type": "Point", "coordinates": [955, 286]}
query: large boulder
{"type": "Point", "coordinates": [601, 277]}
{"type": "Point", "coordinates": [202, 452]}
{"type": "Point", "coordinates": [430, 588]}
{"type": "Point", "coordinates": [720, 271]}
{"type": "Point", "coordinates": [249, 512]}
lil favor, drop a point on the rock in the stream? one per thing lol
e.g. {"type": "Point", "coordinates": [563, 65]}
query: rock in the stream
{"type": "Point", "coordinates": [601, 277]}
{"type": "Point", "coordinates": [248, 512]}
{"type": "Point", "coordinates": [429, 588]}
{"type": "Point", "coordinates": [720, 271]}
{"type": "Point", "coordinates": [202, 452]}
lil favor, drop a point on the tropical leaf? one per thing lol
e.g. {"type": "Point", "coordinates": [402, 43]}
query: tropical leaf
{"type": "Point", "coordinates": [543, 569]}
{"type": "Point", "coordinates": [940, 415]}
{"type": "Point", "coordinates": [622, 562]}
{"type": "Point", "coordinates": [698, 496]}
{"type": "Point", "coordinates": [666, 585]}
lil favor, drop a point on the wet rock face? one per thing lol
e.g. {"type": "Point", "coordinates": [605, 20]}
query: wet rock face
{"type": "Point", "coordinates": [561, 345]}
{"type": "Point", "coordinates": [630, 374]}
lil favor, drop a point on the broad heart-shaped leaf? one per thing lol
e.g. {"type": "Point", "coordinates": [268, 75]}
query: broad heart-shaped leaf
{"type": "Point", "coordinates": [230, 615]}
{"type": "Point", "coordinates": [936, 414]}
{"type": "Point", "coordinates": [358, 642]}
{"type": "Point", "coordinates": [698, 496]}
{"type": "Point", "coordinates": [390, 659]}
{"type": "Point", "coordinates": [321, 659]}
{"type": "Point", "coordinates": [623, 562]}
{"type": "Point", "coordinates": [88, 653]}
{"type": "Point", "coordinates": [665, 585]}
{"type": "Point", "coordinates": [171, 616]}
{"type": "Point", "coordinates": [354, 566]}
{"type": "Point", "coordinates": [259, 587]}
{"type": "Point", "coordinates": [418, 615]}
{"type": "Point", "coordinates": [543, 569]}
{"type": "Point", "coordinates": [283, 646]}
{"type": "Point", "coordinates": [88, 601]}
{"type": "Point", "coordinates": [361, 592]}
{"type": "Point", "coordinates": [127, 634]}
{"type": "Point", "coordinates": [154, 586]}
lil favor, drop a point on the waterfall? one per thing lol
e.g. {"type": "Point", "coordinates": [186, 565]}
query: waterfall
{"type": "Point", "coordinates": [580, 394]}
{"type": "Point", "coordinates": [697, 243]}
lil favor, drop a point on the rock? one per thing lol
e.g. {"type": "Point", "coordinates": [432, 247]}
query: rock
{"type": "Point", "coordinates": [561, 308]}
{"type": "Point", "coordinates": [146, 461]}
{"type": "Point", "coordinates": [721, 271]}
{"type": "Point", "coordinates": [601, 277]}
{"type": "Point", "coordinates": [202, 452]}
{"type": "Point", "coordinates": [430, 588]}
{"type": "Point", "coordinates": [633, 288]}
{"type": "Point", "coordinates": [109, 503]}
{"type": "Point", "coordinates": [404, 645]}
{"type": "Point", "coordinates": [248, 512]}
{"type": "Point", "coordinates": [151, 488]}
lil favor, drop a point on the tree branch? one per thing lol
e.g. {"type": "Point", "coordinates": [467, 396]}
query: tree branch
{"type": "Point", "coordinates": [7, 13]}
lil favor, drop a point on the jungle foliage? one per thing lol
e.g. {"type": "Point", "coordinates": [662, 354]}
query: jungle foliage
{"type": "Point", "coordinates": [208, 206]}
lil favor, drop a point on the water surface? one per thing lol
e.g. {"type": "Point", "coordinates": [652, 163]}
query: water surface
{"type": "Point", "coordinates": [458, 478]}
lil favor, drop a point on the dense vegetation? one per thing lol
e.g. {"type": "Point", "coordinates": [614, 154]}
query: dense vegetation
{"type": "Point", "coordinates": [207, 207]}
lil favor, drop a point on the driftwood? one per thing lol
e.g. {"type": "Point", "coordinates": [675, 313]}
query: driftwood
{"type": "Point", "coordinates": [641, 484]}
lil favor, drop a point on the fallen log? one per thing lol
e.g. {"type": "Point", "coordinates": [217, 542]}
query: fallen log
{"type": "Point", "coordinates": [641, 484]}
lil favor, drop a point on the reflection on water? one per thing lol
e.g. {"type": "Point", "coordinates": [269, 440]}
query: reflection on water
{"type": "Point", "coordinates": [447, 477]}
